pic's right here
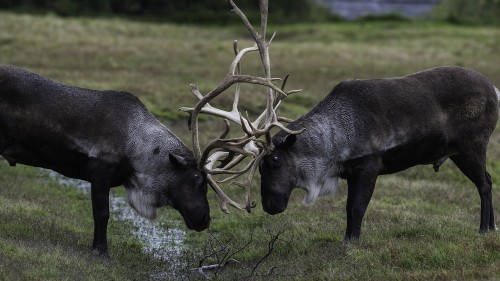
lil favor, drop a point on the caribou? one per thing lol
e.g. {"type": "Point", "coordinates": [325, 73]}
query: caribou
{"type": "Point", "coordinates": [362, 129]}
{"type": "Point", "coordinates": [107, 138]}
{"type": "Point", "coordinates": [367, 128]}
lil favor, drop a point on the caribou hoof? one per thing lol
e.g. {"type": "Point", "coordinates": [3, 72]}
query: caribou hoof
{"type": "Point", "coordinates": [103, 255]}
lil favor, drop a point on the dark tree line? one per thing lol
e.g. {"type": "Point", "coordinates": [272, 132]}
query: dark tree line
{"type": "Point", "coordinates": [470, 11]}
{"type": "Point", "coordinates": [218, 11]}
{"type": "Point", "coordinates": [198, 11]}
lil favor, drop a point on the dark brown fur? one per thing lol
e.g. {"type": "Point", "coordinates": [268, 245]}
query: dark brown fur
{"type": "Point", "coordinates": [105, 137]}
{"type": "Point", "coordinates": [366, 128]}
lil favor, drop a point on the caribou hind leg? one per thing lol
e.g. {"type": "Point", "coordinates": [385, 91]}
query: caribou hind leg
{"type": "Point", "coordinates": [492, 225]}
{"type": "Point", "coordinates": [473, 165]}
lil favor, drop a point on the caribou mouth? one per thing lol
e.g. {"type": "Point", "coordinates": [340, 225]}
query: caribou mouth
{"type": "Point", "coordinates": [202, 221]}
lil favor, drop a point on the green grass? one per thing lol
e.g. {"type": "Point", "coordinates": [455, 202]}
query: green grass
{"type": "Point", "coordinates": [46, 231]}
{"type": "Point", "coordinates": [420, 224]}
{"type": "Point", "coordinates": [414, 229]}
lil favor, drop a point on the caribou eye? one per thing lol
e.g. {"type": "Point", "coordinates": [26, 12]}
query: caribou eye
{"type": "Point", "coordinates": [274, 161]}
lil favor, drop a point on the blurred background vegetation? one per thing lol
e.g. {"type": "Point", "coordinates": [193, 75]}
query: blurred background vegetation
{"type": "Point", "coordinates": [186, 11]}
{"type": "Point", "coordinates": [217, 11]}
{"type": "Point", "coordinates": [469, 11]}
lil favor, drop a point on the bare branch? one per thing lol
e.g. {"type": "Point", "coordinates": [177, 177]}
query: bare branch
{"type": "Point", "coordinates": [270, 247]}
{"type": "Point", "coordinates": [224, 254]}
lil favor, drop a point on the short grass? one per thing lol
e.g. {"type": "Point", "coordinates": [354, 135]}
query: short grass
{"type": "Point", "coordinates": [420, 224]}
{"type": "Point", "coordinates": [46, 231]}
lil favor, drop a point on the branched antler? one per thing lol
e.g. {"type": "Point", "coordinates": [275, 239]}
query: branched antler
{"type": "Point", "coordinates": [233, 151]}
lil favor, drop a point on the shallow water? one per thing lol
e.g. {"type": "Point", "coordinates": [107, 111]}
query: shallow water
{"type": "Point", "coordinates": [351, 9]}
{"type": "Point", "coordinates": [163, 243]}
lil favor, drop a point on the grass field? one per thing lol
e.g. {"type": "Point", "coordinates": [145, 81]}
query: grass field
{"type": "Point", "coordinates": [420, 225]}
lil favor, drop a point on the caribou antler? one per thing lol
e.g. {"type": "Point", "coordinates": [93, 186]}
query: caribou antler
{"type": "Point", "coordinates": [233, 151]}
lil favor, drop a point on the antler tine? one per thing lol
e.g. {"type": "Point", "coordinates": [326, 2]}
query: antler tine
{"type": "Point", "coordinates": [232, 115]}
{"type": "Point", "coordinates": [276, 103]}
{"type": "Point", "coordinates": [214, 158]}
{"type": "Point", "coordinates": [285, 79]}
{"type": "Point", "coordinates": [284, 119]}
{"type": "Point", "coordinates": [264, 10]}
{"type": "Point", "coordinates": [245, 20]}
{"type": "Point", "coordinates": [212, 145]}
{"type": "Point", "coordinates": [244, 146]}
{"type": "Point", "coordinates": [227, 145]}
{"type": "Point", "coordinates": [251, 146]}
{"type": "Point", "coordinates": [238, 71]}
{"type": "Point", "coordinates": [235, 161]}
{"type": "Point", "coordinates": [234, 174]}
{"type": "Point", "coordinates": [247, 185]}
{"type": "Point", "coordinates": [233, 68]}
{"type": "Point", "coordinates": [224, 200]}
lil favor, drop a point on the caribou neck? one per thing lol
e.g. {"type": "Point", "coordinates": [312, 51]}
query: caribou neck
{"type": "Point", "coordinates": [148, 152]}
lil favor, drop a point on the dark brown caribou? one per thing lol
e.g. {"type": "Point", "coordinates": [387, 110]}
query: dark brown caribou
{"type": "Point", "coordinates": [107, 138]}
{"type": "Point", "coordinates": [367, 128]}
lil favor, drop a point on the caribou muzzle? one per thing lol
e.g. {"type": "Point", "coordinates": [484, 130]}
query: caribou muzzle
{"type": "Point", "coordinates": [197, 219]}
{"type": "Point", "coordinates": [274, 203]}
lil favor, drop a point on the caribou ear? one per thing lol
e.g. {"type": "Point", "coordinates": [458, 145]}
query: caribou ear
{"type": "Point", "coordinates": [288, 141]}
{"type": "Point", "coordinates": [177, 161]}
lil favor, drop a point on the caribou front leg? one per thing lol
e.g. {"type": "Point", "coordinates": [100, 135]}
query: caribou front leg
{"type": "Point", "coordinates": [100, 210]}
{"type": "Point", "coordinates": [360, 189]}
{"type": "Point", "coordinates": [100, 187]}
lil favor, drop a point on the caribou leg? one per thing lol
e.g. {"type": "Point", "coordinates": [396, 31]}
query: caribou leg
{"type": "Point", "coordinates": [360, 190]}
{"type": "Point", "coordinates": [473, 165]}
{"type": "Point", "coordinates": [100, 187]}
{"type": "Point", "coordinates": [100, 210]}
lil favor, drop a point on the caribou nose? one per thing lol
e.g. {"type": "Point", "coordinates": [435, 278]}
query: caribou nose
{"type": "Point", "coordinates": [198, 220]}
{"type": "Point", "coordinates": [204, 222]}
{"type": "Point", "coordinates": [272, 207]}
